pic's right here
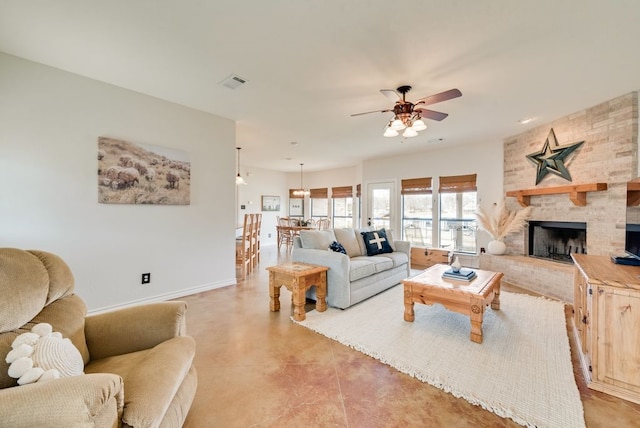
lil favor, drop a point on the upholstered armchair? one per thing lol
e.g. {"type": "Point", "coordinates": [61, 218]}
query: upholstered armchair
{"type": "Point", "coordinates": [138, 369]}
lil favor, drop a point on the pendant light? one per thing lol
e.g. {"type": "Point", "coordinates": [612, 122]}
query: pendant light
{"type": "Point", "coordinates": [239, 179]}
{"type": "Point", "coordinates": [301, 192]}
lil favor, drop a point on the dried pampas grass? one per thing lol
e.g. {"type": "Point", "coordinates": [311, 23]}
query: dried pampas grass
{"type": "Point", "coordinates": [502, 222]}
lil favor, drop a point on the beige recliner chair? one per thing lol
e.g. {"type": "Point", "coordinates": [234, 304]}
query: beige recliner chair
{"type": "Point", "coordinates": [138, 361]}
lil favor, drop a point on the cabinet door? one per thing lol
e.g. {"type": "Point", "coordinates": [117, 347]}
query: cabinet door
{"type": "Point", "coordinates": [580, 315]}
{"type": "Point", "coordinates": [618, 339]}
{"type": "Point", "coordinates": [589, 317]}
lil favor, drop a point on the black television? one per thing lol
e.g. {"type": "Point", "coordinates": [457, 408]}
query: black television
{"type": "Point", "coordinates": [632, 240]}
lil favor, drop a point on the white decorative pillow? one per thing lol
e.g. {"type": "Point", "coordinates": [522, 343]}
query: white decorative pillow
{"type": "Point", "coordinates": [43, 354]}
{"type": "Point", "coordinates": [317, 239]}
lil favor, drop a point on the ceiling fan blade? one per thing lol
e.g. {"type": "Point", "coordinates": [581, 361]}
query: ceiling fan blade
{"type": "Point", "coordinates": [437, 98]}
{"type": "Point", "coordinates": [367, 112]}
{"type": "Point", "coordinates": [431, 114]}
{"type": "Point", "coordinates": [392, 94]}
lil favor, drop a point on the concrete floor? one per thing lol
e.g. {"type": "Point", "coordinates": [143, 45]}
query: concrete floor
{"type": "Point", "coordinates": [256, 368]}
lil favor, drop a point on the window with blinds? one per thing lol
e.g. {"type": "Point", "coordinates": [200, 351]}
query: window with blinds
{"type": "Point", "coordinates": [342, 206]}
{"type": "Point", "coordinates": [458, 203]}
{"type": "Point", "coordinates": [319, 203]}
{"type": "Point", "coordinates": [417, 211]}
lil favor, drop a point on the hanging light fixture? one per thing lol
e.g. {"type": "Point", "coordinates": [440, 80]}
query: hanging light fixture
{"type": "Point", "coordinates": [239, 179]}
{"type": "Point", "coordinates": [411, 123]}
{"type": "Point", "coordinates": [389, 131]}
{"type": "Point", "coordinates": [301, 192]}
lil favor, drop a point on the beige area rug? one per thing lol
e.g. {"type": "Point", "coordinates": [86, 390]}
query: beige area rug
{"type": "Point", "coordinates": [521, 371]}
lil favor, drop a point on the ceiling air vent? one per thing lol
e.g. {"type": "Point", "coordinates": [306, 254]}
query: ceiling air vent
{"type": "Point", "coordinates": [233, 81]}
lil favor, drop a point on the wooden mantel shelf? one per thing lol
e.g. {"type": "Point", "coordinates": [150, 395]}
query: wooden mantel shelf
{"type": "Point", "coordinates": [577, 193]}
{"type": "Point", "coordinates": [633, 193]}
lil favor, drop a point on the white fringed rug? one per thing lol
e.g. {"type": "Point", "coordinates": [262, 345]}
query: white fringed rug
{"type": "Point", "coordinates": [521, 371]}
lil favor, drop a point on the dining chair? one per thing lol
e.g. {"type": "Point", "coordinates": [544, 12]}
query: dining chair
{"type": "Point", "coordinates": [324, 223]}
{"type": "Point", "coordinates": [284, 232]}
{"type": "Point", "coordinates": [243, 247]}
{"type": "Point", "coordinates": [255, 240]}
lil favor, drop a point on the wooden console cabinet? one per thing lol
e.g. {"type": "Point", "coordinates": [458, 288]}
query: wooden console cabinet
{"type": "Point", "coordinates": [427, 257]}
{"type": "Point", "coordinates": [607, 324]}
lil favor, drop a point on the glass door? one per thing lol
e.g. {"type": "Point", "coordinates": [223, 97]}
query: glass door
{"type": "Point", "coordinates": [380, 205]}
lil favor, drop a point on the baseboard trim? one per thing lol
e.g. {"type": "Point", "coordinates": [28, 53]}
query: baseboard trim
{"type": "Point", "coordinates": [164, 297]}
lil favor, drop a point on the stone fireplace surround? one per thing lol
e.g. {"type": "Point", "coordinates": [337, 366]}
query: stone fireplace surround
{"type": "Point", "coordinates": [609, 155]}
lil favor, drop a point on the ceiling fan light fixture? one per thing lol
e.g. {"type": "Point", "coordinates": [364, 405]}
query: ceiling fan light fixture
{"type": "Point", "coordinates": [398, 125]}
{"type": "Point", "coordinates": [409, 132]}
{"type": "Point", "coordinates": [409, 114]}
{"type": "Point", "coordinates": [390, 132]}
{"type": "Point", "coordinates": [418, 125]}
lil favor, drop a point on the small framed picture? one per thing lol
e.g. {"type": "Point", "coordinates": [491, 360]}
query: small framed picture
{"type": "Point", "coordinates": [296, 207]}
{"type": "Point", "coordinates": [270, 203]}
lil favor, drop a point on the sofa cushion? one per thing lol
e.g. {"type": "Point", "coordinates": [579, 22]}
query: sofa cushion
{"type": "Point", "coordinates": [398, 258]}
{"type": "Point", "coordinates": [360, 267]}
{"type": "Point", "coordinates": [347, 237]}
{"type": "Point", "coordinates": [26, 280]}
{"type": "Point", "coordinates": [376, 242]}
{"type": "Point", "coordinates": [317, 239]}
{"type": "Point", "coordinates": [381, 263]}
{"type": "Point", "coordinates": [151, 378]}
{"type": "Point", "coordinates": [363, 249]}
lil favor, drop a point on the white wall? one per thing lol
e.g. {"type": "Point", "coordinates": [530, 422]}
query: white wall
{"type": "Point", "coordinates": [262, 182]}
{"type": "Point", "coordinates": [51, 120]}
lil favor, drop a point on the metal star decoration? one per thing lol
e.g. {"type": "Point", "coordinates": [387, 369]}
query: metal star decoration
{"type": "Point", "coordinates": [552, 157]}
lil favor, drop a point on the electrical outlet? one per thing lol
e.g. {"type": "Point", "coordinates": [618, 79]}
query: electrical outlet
{"type": "Point", "coordinates": [269, 236]}
{"type": "Point", "coordinates": [146, 278]}
{"type": "Point", "coordinates": [482, 250]}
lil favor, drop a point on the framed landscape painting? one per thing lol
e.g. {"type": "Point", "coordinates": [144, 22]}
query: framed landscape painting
{"type": "Point", "coordinates": [270, 203]}
{"type": "Point", "coordinates": [134, 173]}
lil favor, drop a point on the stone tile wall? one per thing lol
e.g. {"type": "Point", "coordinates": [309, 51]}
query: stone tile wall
{"type": "Point", "coordinates": [609, 155]}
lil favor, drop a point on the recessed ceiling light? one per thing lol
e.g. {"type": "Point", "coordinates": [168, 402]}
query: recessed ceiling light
{"type": "Point", "coordinates": [526, 120]}
{"type": "Point", "coordinates": [294, 143]}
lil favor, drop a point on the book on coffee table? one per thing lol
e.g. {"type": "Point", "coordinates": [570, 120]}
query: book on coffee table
{"type": "Point", "coordinates": [463, 274]}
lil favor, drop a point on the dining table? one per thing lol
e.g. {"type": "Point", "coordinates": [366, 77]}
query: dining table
{"type": "Point", "coordinates": [287, 233]}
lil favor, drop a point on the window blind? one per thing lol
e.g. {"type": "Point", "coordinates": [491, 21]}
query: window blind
{"type": "Point", "coordinates": [342, 192]}
{"type": "Point", "coordinates": [458, 183]}
{"type": "Point", "coordinates": [319, 193]}
{"type": "Point", "coordinates": [416, 186]}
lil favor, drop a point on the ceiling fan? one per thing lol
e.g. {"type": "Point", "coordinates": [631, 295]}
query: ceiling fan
{"type": "Point", "coordinates": [408, 115]}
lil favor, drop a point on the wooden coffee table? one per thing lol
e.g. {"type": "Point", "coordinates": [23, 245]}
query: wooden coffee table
{"type": "Point", "coordinates": [465, 297]}
{"type": "Point", "coordinates": [298, 278]}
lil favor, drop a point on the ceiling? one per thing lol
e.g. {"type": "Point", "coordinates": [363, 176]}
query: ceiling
{"type": "Point", "coordinates": [310, 64]}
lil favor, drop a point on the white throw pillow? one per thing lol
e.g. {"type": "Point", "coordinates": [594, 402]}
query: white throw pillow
{"type": "Point", "coordinates": [42, 355]}
{"type": "Point", "coordinates": [317, 239]}
{"type": "Point", "coordinates": [347, 237]}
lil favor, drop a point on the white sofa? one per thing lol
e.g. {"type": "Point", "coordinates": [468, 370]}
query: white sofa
{"type": "Point", "coordinates": [354, 276]}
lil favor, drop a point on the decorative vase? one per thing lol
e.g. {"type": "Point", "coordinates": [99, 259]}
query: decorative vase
{"type": "Point", "coordinates": [455, 266]}
{"type": "Point", "coordinates": [497, 247]}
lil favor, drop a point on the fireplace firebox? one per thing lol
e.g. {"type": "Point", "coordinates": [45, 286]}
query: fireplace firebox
{"type": "Point", "coordinates": [556, 240]}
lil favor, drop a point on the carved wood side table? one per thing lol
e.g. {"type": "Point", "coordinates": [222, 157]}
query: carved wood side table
{"type": "Point", "coordinates": [298, 278]}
